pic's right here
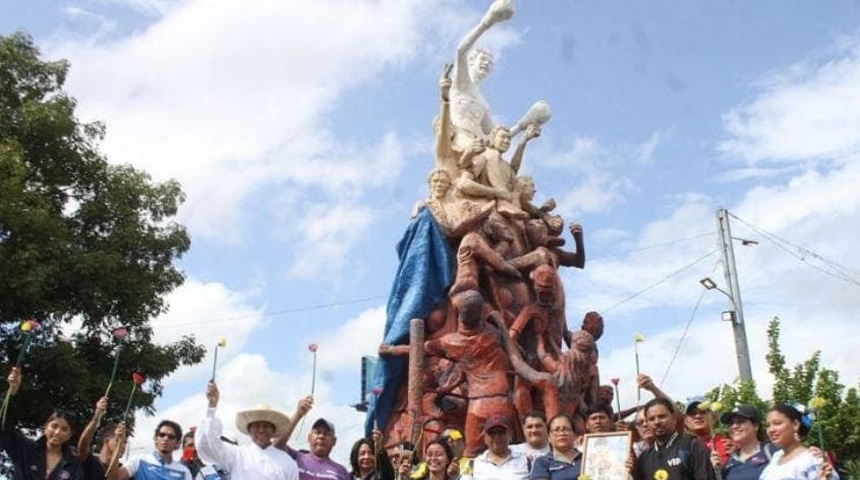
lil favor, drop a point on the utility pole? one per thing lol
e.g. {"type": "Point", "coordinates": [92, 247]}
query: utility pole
{"type": "Point", "coordinates": [737, 313]}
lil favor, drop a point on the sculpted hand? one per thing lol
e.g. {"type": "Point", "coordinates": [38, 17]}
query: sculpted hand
{"type": "Point", "coordinates": [384, 349]}
{"type": "Point", "coordinates": [445, 81]}
{"type": "Point", "coordinates": [499, 11]}
{"type": "Point", "coordinates": [548, 205]}
{"type": "Point", "coordinates": [555, 222]}
{"type": "Point", "coordinates": [532, 131]}
{"type": "Point", "coordinates": [212, 394]}
{"type": "Point", "coordinates": [575, 229]}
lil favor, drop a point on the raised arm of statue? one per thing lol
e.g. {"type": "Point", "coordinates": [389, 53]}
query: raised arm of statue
{"type": "Point", "coordinates": [577, 257]}
{"type": "Point", "coordinates": [444, 133]}
{"type": "Point", "coordinates": [499, 11]}
{"type": "Point", "coordinates": [532, 131]}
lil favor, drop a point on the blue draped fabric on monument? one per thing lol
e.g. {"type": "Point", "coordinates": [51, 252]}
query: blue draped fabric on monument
{"type": "Point", "coordinates": [425, 272]}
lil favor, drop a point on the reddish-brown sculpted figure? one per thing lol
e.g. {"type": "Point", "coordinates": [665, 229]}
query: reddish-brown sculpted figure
{"type": "Point", "coordinates": [482, 352]}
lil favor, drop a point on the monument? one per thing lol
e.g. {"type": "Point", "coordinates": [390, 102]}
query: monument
{"type": "Point", "coordinates": [476, 322]}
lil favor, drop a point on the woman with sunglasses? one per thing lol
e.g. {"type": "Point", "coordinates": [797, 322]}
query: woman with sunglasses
{"type": "Point", "coordinates": [49, 457]}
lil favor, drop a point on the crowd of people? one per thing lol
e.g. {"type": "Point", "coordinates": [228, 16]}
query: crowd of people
{"type": "Point", "coordinates": [664, 444]}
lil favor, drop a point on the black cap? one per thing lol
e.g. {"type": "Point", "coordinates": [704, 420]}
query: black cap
{"type": "Point", "coordinates": [743, 411]}
{"type": "Point", "coordinates": [692, 407]}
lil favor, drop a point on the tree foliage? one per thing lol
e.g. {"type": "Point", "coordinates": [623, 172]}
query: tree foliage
{"type": "Point", "coordinates": [837, 419]}
{"type": "Point", "coordinates": [85, 246]}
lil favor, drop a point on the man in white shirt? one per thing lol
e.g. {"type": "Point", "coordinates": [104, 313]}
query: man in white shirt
{"type": "Point", "coordinates": [536, 435]}
{"type": "Point", "coordinates": [259, 460]}
{"type": "Point", "coordinates": [498, 462]}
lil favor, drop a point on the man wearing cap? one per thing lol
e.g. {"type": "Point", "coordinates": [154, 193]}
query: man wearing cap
{"type": "Point", "coordinates": [315, 464]}
{"type": "Point", "coordinates": [699, 420]}
{"type": "Point", "coordinates": [256, 461]}
{"type": "Point", "coordinates": [498, 462]}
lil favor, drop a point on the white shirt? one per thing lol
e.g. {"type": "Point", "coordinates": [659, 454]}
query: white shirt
{"type": "Point", "coordinates": [804, 466]}
{"type": "Point", "coordinates": [529, 451]}
{"type": "Point", "coordinates": [515, 467]}
{"type": "Point", "coordinates": [245, 462]}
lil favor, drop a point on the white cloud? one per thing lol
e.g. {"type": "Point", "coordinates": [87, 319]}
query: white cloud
{"type": "Point", "coordinates": [233, 96]}
{"type": "Point", "coordinates": [806, 113]}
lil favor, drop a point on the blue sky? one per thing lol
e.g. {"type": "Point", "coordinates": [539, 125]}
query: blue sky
{"type": "Point", "coordinates": [301, 134]}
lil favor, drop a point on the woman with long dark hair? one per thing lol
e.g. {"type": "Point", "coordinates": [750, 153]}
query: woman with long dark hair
{"type": "Point", "coordinates": [786, 427]}
{"type": "Point", "coordinates": [369, 461]}
{"type": "Point", "coordinates": [49, 457]}
{"type": "Point", "coordinates": [440, 461]}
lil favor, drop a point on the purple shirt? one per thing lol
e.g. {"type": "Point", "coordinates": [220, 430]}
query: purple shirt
{"type": "Point", "coordinates": [312, 467]}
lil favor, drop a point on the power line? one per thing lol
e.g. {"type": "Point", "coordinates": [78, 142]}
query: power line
{"type": "Point", "coordinates": [836, 270]}
{"type": "Point", "coordinates": [277, 313]}
{"type": "Point", "coordinates": [657, 245]}
{"type": "Point", "coordinates": [662, 280]}
{"type": "Point", "coordinates": [686, 329]}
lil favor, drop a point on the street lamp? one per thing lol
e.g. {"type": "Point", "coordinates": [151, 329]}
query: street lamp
{"type": "Point", "coordinates": [736, 314]}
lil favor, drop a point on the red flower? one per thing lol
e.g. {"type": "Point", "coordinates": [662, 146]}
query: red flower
{"type": "Point", "coordinates": [313, 347]}
{"type": "Point", "coordinates": [120, 333]}
{"type": "Point", "coordinates": [376, 391]}
{"type": "Point", "coordinates": [615, 381]}
{"type": "Point", "coordinates": [137, 378]}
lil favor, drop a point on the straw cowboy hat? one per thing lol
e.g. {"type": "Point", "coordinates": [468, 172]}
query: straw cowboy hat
{"type": "Point", "coordinates": [262, 413]}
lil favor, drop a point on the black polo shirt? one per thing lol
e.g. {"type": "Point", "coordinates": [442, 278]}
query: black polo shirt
{"type": "Point", "coordinates": [683, 457]}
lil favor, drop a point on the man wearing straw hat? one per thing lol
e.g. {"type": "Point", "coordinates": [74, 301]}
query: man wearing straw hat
{"type": "Point", "coordinates": [258, 460]}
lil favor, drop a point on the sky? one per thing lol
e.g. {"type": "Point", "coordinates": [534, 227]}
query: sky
{"type": "Point", "coordinates": [301, 133]}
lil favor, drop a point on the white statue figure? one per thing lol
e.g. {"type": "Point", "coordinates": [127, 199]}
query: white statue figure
{"type": "Point", "coordinates": [470, 112]}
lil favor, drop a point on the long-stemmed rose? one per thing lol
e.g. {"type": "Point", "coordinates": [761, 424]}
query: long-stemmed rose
{"type": "Point", "coordinates": [138, 379]}
{"type": "Point", "coordinates": [29, 327]}
{"type": "Point", "coordinates": [313, 349]}
{"type": "Point", "coordinates": [222, 342]}
{"type": "Point", "coordinates": [119, 334]}
{"type": "Point", "coordinates": [377, 391]}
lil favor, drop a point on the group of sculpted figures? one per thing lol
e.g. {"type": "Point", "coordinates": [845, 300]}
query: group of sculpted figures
{"type": "Point", "coordinates": [498, 342]}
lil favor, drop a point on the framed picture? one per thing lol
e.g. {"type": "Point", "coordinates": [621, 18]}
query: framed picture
{"type": "Point", "coordinates": [605, 455]}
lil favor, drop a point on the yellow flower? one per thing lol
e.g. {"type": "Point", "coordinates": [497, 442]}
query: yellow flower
{"type": "Point", "coordinates": [705, 406]}
{"type": "Point", "coordinates": [817, 403]}
{"type": "Point", "coordinates": [26, 326]}
{"type": "Point", "coordinates": [222, 342]}
{"type": "Point", "coordinates": [584, 477]}
{"type": "Point", "coordinates": [639, 338]}
{"type": "Point", "coordinates": [661, 474]}
{"type": "Point", "coordinates": [716, 406]}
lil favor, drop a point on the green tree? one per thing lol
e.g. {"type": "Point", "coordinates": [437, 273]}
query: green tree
{"type": "Point", "coordinates": [85, 246]}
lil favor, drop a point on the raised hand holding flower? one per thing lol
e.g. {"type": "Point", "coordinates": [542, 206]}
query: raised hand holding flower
{"type": "Point", "coordinates": [28, 327]}
{"type": "Point", "coordinates": [119, 334]}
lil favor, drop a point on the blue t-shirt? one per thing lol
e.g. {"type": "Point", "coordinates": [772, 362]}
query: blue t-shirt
{"type": "Point", "coordinates": [751, 469]}
{"type": "Point", "coordinates": [152, 467]}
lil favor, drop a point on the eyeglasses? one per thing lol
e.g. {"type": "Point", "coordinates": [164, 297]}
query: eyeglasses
{"type": "Point", "coordinates": [560, 430]}
{"type": "Point", "coordinates": [167, 435]}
